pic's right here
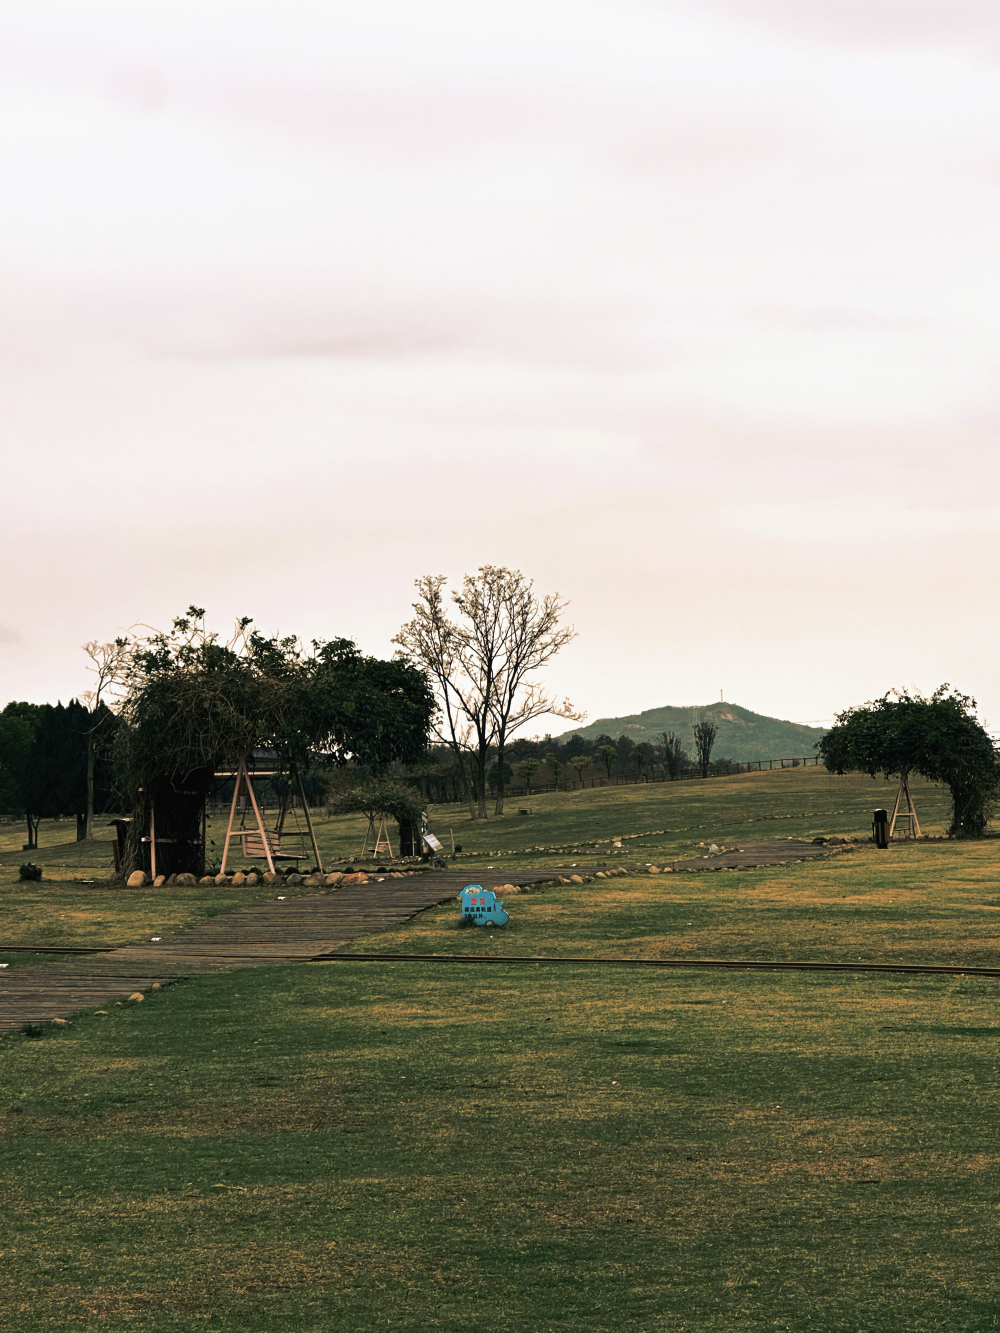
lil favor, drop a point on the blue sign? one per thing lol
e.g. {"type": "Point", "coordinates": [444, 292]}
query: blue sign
{"type": "Point", "coordinates": [480, 906]}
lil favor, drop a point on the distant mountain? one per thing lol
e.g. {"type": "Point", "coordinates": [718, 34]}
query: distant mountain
{"type": "Point", "coordinates": [742, 734]}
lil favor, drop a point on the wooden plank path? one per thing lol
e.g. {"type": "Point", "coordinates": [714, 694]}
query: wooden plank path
{"type": "Point", "coordinates": [293, 930]}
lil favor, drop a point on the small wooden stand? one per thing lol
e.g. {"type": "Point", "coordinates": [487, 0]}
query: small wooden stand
{"type": "Point", "coordinates": [380, 837]}
{"type": "Point", "coordinates": [909, 814]}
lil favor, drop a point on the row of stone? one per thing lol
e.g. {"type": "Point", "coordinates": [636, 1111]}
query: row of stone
{"type": "Point", "coordinates": [139, 880]}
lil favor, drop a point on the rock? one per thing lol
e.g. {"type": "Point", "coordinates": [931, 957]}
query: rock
{"type": "Point", "coordinates": [238, 880]}
{"type": "Point", "coordinates": [61, 1022]}
{"type": "Point", "coordinates": [138, 996]}
{"type": "Point", "coordinates": [359, 877]}
{"type": "Point", "coordinates": [576, 879]}
{"type": "Point", "coordinates": [653, 870]}
{"type": "Point", "coordinates": [187, 880]}
{"type": "Point", "coordinates": [294, 879]}
{"type": "Point", "coordinates": [714, 848]}
{"type": "Point", "coordinates": [221, 879]}
{"type": "Point", "coordinates": [270, 877]}
{"type": "Point", "coordinates": [562, 880]}
{"type": "Point", "coordinates": [156, 986]}
{"type": "Point", "coordinates": [137, 879]}
{"type": "Point", "coordinates": [336, 878]}
{"type": "Point", "coordinates": [171, 881]}
{"type": "Point", "coordinates": [315, 881]}
{"type": "Point", "coordinates": [253, 879]}
{"type": "Point", "coordinates": [159, 881]}
{"type": "Point", "coordinates": [207, 879]}
{"type": "Point", "coordinates": [599, 874]}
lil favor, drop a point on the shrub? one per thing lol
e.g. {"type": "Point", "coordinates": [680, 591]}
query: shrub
{"type": "Point", "coordinates": [29, 871]}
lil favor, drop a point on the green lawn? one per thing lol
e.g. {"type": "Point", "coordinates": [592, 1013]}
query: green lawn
{"type": "Point", "coordinates": [662, 818]}
{"type": "Point", "coordinates": [345, 1146]}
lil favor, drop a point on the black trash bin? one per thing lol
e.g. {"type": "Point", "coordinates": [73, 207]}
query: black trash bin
{"type": "Point", "coordinates": [880, 829]}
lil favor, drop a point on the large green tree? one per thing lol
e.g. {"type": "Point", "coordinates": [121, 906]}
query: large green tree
{"type": "Point", "coordinates": [17, 732]}
{"type": "Point", "coordinates": [190, 703]}
{"type": "Point", "coordinates": [938, 737]}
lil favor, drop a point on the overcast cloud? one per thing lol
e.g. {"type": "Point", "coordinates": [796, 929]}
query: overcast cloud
{"type": "Point", "coordinates": [689, 310]}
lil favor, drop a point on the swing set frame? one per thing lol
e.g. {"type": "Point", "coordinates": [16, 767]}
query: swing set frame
{"type": "Point", "coordinates": [269, 841]}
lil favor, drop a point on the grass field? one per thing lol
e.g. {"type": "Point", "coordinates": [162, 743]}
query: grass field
{"type": "Point", "coordinates": [420, 1146]}
{"type": "Point", "coordinates": [362, 1145]}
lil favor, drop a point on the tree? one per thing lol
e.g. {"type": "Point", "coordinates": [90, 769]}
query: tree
{"type": "Point", "coordinates": [580, 762]}
{"type": "Point", "coordinates": [499, 775]}
{"type": "Point", "coordinates": [609, 754]}
{"type": "Point", "coordinates": [107, 662]}
{"type": "Point", "coordinates": [527, 769]}
{"type": "Point", "coordinates": [189, 703]}
{"type": "Point", "coordinates": [624, 746]}
{"type": "Point", "coordinates": [55, 774]}
{"type": "Point", "coordinates": [480, 664]}
{"type": "Point", "coordinates": [674, 754]}
{"type": "Point", "coordinates": [554, 764]}
{"type": "Point", "coordinates": [17, 732]}
{"type": "Point", "coordinates": [640, 754]}
{"type": "Point", "coordinates": [704, 738]}
{"type": "Point", "coordinates": [938, 737]}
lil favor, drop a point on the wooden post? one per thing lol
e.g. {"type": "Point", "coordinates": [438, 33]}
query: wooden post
{"type": "Point", "coordinates": [309, 823]}
{"type": "Point", "coordinates": [232, 816]}
{"type": "Point", "coordinates": [260, 822]}
{"type": "Point", "coordinates": [152, 839]}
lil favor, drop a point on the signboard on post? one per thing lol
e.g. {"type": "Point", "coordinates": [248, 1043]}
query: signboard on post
{"type": "Point", "coordinates": [480, 906]}
{"type": "Point", "coordinates": [432, 842]}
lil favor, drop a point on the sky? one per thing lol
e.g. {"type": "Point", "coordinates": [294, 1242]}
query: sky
{"type": "Point", "coordinates": [689, 310]}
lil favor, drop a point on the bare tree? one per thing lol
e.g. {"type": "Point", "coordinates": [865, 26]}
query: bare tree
{"type": "Point", "coordinates": [480, 664]}
{"type": "Point", "coordinates": [108, 661]}
{"type": "Point", "coordinates": [704, 738]}
{"type": "Point", "coordinates": [431, 641]}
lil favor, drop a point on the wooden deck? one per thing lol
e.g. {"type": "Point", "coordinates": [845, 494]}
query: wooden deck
{"type": "Point", "coordinates": [295, 930]}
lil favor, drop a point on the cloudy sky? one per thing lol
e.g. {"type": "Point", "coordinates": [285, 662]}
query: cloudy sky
{"type": "Point", "coordinates": [687, 308]}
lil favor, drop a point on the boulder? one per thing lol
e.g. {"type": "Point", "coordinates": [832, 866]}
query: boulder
{"type": "Point", "coordinates": [253, 879]}
{"type": "Point", "coordinates": [271, 877]}
{"type": "Point", "coordinates": [159, 881]}
{"type": "Point", "coordinates": [186, 879]}
{"type": "Point", "coordinates": [171, 880]}
{"type": "Point", "coordinates": [207, 879]}
{"type": "Point", "coordinates": [315, 881]}
{"type": "Point", "coordinates": [238, 880]}
{"type": "Point", "coordinates": [359, 877]}
{"type": "Point", "coordinates": [336, 878]}
{"type": "Point", "coordinates": [137, 879]}
{"type": "Point", "coordinates": [599, 874]}
{"type": "Point", "coordinates": [61, 1022]}
{"type": "Point", "coordinates": [653, 870]}
{"type": "Point", "coordinates": [294, 879]}
{"type": "Point", "coordinates": [156, 986]}
{"type": "Point", "coordinates": [576, 879]}
{"type": "Point", "coordinates": [138, 996]}
{"type": "Point", "coordinates": [221, 879]}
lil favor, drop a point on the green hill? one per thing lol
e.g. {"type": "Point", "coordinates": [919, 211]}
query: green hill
{"type": "Point", "coordinates": [742, 734]}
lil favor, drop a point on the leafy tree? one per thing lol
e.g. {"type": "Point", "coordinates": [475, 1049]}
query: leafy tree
{"type": "Point", "coordinates": [937, 737]}
{"type": "Point", "coordinates": [580, 762]}
{"type": "Point", "coordinates": [674, 754]}
{"type": "Point", "coordinates": [640, 755]}
{"type": "Point", "coordinates": [704, 738]}
{"type": "Point", "coordinates": [493, 775]}
{"type": "Point", "coordinates": [608, 753]}
{"type": "Point", "coordinates": [554, 764]}
{"type": "Point", "coordinates": [527, 769]}
{"type": "Point", "coordinates": [17, 731]}
{"type": "Point", "coordinates": [189, 704]}
{"type": "Point", "coordinates": [624, 746]}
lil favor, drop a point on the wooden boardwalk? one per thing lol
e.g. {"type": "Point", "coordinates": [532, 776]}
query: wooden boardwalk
{"type": "Point", "coordinates": [294, 930]}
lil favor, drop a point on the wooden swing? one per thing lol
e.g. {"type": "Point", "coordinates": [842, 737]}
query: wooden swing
{"type": "Point", "coordinates": [379, 836]}
{"type": "Point", "coordinates": [258, 841]}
